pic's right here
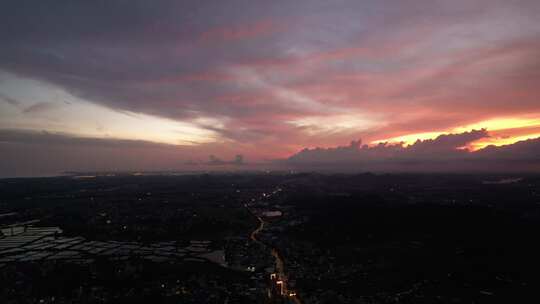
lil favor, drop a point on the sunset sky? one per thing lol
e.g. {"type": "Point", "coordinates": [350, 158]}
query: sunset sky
{"type": "Point", "coordinates": [94, 85]}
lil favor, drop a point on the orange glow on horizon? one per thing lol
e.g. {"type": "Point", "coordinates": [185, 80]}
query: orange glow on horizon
{"type": "Point", "coordinates": [499, 124]}
{"type": "Point", "coordinates": [500, 141]}
{"type": "Point", "coordinates": [503, 131]}
{"type": "Point", "coordinates": [409, 139]}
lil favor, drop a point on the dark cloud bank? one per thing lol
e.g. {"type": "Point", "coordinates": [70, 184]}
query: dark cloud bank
{"type": "Point", "coordinates": [27, 153]}
{"type": "Point", "coordinates": [33, 153]}
{"type": "Point", "coordinates": [446, 153]}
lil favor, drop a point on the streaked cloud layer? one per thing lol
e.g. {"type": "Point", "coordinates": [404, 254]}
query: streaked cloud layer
{"type": "Point", "coordinates": [231, 77]}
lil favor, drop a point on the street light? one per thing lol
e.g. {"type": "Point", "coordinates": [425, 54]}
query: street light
{"type": "Point", "coordinates": [280, 282]}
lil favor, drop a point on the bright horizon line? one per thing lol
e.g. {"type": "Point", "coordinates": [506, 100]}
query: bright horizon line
{"type": "Point", "coordinates": [496, 127]}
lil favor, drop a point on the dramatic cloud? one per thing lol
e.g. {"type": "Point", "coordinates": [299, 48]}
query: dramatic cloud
{"type": "Point", "coordinates": [442, 147]}
{"type": "Point", "coordinates": [444, 153]}
{"type": "Point", "coordinates": [238, 75]}
{"type": "Point", "coordinates": [30, 153]}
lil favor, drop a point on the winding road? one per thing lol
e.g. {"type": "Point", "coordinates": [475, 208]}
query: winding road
{"type": "Point", "coordinates": [280, 269]}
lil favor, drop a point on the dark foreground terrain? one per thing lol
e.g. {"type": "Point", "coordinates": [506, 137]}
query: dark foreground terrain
{"type": "Point", "coordinates": [270, 238]}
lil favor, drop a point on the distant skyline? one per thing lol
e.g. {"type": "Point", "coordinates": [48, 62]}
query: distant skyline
{"type": "Point", "coordinates": [178, 85]}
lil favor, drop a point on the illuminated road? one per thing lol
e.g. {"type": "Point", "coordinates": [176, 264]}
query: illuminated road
{"type": "Point", "coordinates": [253, 235]}
{"type": "Point", "coordinates": [280, 269]}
